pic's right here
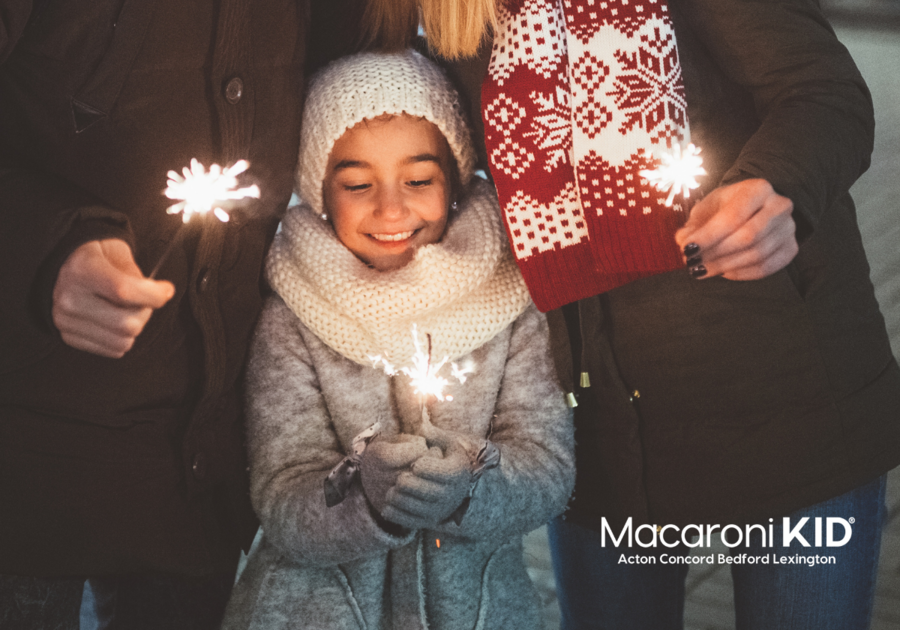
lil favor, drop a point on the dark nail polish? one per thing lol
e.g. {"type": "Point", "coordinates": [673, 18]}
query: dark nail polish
{"type": "Point", "coordinates": [693, 262]}
{"type": "Point", "coordinates": [691, 250]}
{"type": "Point", "coordinates": [697, 271]}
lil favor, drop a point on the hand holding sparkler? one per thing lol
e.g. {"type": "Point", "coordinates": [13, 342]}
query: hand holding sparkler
{"type": "Point", "coordinates": [434, 488]}
{"type": "Point", "coordinates": [440, 485]}
{"type": "Point", "coordinates": [454, 462]}
{"type": "Point", "coordinates": [743, 231]}
{"type": "Point", "coordinates": [384, 461]}
{"type": "Point", "coordinates": [101, 300]}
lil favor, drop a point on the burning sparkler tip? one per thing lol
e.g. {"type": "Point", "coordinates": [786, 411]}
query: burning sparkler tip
{"type": "Point", "coordinates": [423, 373]}
{"type": "Point", "coordinates": [677, 171]}
{"type": "Point", "coordinates": [199, 191]}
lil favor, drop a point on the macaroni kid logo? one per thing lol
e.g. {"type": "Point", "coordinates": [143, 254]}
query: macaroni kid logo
{"type": "Point", "coordinates": [818, 532]}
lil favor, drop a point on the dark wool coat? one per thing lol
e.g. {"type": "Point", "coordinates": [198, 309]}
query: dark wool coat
{"type": "Point", "coordinates": [725, 402]}
{"type": "Point", "coordinates": [135, 464]}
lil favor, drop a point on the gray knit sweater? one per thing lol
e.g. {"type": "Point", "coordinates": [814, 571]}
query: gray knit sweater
{"type": "Point", "coordinates": [330, 568]}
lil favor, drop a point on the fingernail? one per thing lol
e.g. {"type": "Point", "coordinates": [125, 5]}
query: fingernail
{"type": "Point", "coordinates": [691, 250]}
{"type": "Point", "coordinates": [697, 271]}
{"type": "Point", "coordinates": [693, 262]}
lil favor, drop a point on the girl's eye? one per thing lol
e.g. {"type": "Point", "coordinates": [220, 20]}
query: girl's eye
{"type": "Point", "coordinates": [356, 187]}
{"type": "Point", "coordinates": [418, 183]}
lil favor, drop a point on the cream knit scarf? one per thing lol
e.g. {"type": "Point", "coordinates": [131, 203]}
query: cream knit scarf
{"type": "Point", "coordinates": [462, 291]}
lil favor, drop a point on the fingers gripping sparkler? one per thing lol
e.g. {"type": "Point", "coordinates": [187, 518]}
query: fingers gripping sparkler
{"type": "Point", "coordinates": [424, 377]}
{"type": "Point", "coordinates": [426, 381]}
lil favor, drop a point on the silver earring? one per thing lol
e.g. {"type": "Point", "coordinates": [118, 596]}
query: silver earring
{"type": "Point", "coordinates": [454, 206]}
{"type": "Point", "coordinates": [323, 216]}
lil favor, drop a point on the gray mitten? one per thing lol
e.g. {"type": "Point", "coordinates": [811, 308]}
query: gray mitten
{"type": "Point", "coordinates": [383, 461]}
{"type": "Point", "coordinates": [433, 489]}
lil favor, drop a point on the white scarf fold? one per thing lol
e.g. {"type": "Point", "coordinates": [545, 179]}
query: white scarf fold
{"type": "Point", "coordinates": [462, 291]}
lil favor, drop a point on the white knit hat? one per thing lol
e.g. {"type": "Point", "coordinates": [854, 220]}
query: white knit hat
{"type": "Point", "coordinates": [367, 85]}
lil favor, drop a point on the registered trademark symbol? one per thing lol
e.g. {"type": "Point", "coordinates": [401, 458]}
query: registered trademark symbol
{"type": "Point", "coordinates": [852, 520]}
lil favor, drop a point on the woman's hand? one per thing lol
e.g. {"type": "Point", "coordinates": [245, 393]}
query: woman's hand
{"type": "Point", "coordinates": [102, 301]}
{"type": "Point", "coordinates": [743, 231]}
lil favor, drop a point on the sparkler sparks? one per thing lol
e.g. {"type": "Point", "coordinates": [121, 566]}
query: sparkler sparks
{"type": "Point", "coordinates": [461, 373]}
{"type": "Point", "coordinates": [423, 374]}
{"type": "Point", "coordinates": [200, 191]}
{"type": "Point", "coordinates": [677, 173]}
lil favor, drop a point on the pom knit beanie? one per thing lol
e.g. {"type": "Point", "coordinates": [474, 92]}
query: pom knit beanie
{"type": "Point", "coordinates": [366, 86]}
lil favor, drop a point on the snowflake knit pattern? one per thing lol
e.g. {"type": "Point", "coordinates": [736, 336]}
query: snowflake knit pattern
{"type": "Point", "coordinates": [579, 95]}
{"type": "Point", "coordinates": [462, 291]}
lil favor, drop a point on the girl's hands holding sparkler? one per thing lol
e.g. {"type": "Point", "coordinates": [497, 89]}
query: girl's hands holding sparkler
{"type": "Point", "coordinates": [432, 490]}
{"type": "Point", "coordinates": [102, 301]}
{"type": "Point", "coordinates": [742, 231]}
{"type": "Point", "coordinates": [382, 463]}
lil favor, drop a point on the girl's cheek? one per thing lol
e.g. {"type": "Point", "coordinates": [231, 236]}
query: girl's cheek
{"type": "Point", "coordinates": [438, 206]}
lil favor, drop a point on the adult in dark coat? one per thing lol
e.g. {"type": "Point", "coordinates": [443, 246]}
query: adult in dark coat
{"type": "Point", "coordinates": [717, 401]}
{"type": "Point", "coordinates": [132, 470]}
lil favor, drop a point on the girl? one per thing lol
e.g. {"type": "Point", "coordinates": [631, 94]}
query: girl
{"type": "Point", "coordinates": [396, 241]}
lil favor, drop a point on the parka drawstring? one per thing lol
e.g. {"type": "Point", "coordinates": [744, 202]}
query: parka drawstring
{"type": "Point", "coordinates": [585, 378]}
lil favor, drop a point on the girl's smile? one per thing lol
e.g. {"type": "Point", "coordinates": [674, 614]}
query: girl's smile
{"type": "Point", "coordinates": [402, 236]}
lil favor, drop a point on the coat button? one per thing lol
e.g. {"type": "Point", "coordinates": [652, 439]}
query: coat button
{"type": "Point", "coordinates": [234, 90]}
{"type": "Point", "coordinates": [203, 281]}
{"type": "Point", "coordinates": [199, 466]}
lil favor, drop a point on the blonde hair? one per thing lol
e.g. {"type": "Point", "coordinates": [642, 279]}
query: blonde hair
{"type": "Point", "coordinates": [453, 28]}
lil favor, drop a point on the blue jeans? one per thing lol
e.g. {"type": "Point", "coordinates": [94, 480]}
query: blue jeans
{"type": "Point", "coordinates": [597, 592]}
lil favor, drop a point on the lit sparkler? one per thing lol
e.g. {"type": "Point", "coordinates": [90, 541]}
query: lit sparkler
{"type": "Point", "coordinates": [423, 374]}
{"type": "Point", "coordinates": [677, 172]}
{"type": "Point", "coordinates": [199, 191]}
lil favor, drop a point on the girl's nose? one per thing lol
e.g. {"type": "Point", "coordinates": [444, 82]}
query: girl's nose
{"type": "Point", "coordinates": [390, 203]}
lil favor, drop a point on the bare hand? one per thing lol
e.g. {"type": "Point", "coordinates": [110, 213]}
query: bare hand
{"type": "Point", "coordinates": [744, 231]}
{"type": "Point", "coordinates": [101, 300]}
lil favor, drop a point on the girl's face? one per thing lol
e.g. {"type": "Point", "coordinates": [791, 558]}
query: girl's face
{"type": "Point", "coordinates": [387, 189]}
